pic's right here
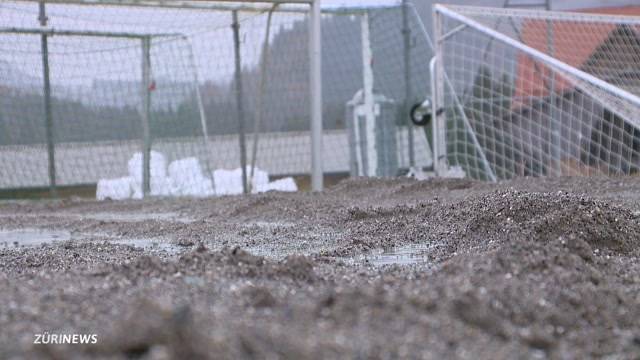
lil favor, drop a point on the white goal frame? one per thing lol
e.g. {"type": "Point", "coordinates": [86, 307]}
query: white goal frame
{"type": "Point", "coordinates": [464, 16]}
{"type": "Point", "coordinates": [315, 52]}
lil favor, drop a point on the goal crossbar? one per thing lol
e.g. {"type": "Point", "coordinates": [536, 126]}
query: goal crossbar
{"type": "Point", "coordinates": [549, 60]}
{"type": "Point", "coordinates": [315, 55]}
{"type": "Point", "coordinates": [105, 34]}
{"type": "Point", "coordinates": [533, 14]}
{"type": "Point", "coordinates": [550, 95]}
{"type": "Point", "coordinates": [251, 6]}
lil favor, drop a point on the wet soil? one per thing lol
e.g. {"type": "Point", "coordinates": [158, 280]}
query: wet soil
{"type": "Point", "coordinates": [436, 269]}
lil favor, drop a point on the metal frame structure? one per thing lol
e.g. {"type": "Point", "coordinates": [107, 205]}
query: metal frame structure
{"type": "Point", "coordinates": [233, 7]}
{"type": "Point", "coordinates": [145, 92]}
{"type": "Point", "coordinates": [461, 14]}
{"type": "Point", "coordinates": [534, 14]}
{"type": "Point", "coordinates": [110, 34]}
{"type": "Point", "coordinates": [315, 55]}
{"type": "Point", "coordinates": [451, 12]}
{"type": "Point", "coordinates": [287, 6]}
{"type": "Point", "coordinates": [315, 59]}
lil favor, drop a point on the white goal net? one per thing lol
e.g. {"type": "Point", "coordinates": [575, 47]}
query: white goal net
{"type": "Point", "coordinates": [537, 93]}
{"type": "Point", "coordinates": [184, 93]}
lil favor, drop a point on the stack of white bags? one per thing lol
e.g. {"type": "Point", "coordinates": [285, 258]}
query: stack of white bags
{"type": "Point", "coordinates": [185, 177]}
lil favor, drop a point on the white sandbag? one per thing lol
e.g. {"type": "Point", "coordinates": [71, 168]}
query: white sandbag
{"type": "Point", "coordinates": [284, 185]}
{"type": "Point", "coordinates": [115, 189]}
{"type": "Point", "coordinates": [157, 166]}
{"type": "Point", "coordinates": [160, 186]}
{"type": "Point", "coordinates": [202, 187]}
{"type": "Point", "coordinates": [185, 169]}
{"type": "Point", "coordinates": [260, 178]}
{"type": "Point", "coordinates": [455, 172]}
{"type": "Point", "coordinates": [228, 182]}
{"type": "Point", "coordinates": [187, 178]}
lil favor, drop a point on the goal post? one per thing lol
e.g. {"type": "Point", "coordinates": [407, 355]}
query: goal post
{"type": "Point", "coordinates": [65, 23]}
{"type": "Point", "coordinates": [315, 59]}
{"type": "Point", "coordinates": [537, 93]}
{"type": "Point", "coordinates": [227, 85]}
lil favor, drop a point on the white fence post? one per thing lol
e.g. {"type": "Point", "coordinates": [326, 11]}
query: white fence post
{"type": "Point", "coordinates": [146, 110]}
{"type": "Point", "coordinates": [439, 117]}
{"type": "Point", "coordinates": [315, 53]}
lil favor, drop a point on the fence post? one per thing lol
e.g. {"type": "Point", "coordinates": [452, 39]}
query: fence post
{"type": "Point", "coordinates": [369, 136]}
{"type": "Point", "coordinates": [315, 61]}
{"type": "Point", "coordinates": [555, 115]}
{"type": "Point", "coordinates": [47, 103]}
{"type": "Point", "coordinates": [146, 110]}
{"type": "Point", "coordinates": [406, 33]}
{"type": "Point", "coordinates": [439, 118]}
{"type": "Point", "coordinates": [239, 102]}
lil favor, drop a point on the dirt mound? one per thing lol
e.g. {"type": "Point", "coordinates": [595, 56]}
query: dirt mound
{"type": "Point", "coordinates": [259, 296]}
{"type": "Point", "coordinates": [155, 331]}
{"type": "Point", "coordinates": [512, 270]}
{"type": "Point", "coordinates": [268, 206]}
{"type": "Point", "coordinates": [353, 186]}
{"type": "Point", "coordinates": [413, 187]}
{"type": "Point", "coordinates": [481, 223]}
{"type": "Point", "coordinates": [231, 262]}
{"type": "Point", "coordinates": [298, 267]}
{"type": "Point", "coordinates": [580, 222]}
{"type": "Point", "coordinates": [379, 213]}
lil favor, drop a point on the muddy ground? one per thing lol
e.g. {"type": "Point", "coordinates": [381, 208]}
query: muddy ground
{"type": "Point", "coordinates": [369, 269]}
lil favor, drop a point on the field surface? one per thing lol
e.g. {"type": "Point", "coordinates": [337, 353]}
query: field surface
{"type": "Point", "coordinates": [369, 269]}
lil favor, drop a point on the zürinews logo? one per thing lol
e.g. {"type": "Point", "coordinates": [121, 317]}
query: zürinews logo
{"type": "Point", "coordinates": [47, 338]}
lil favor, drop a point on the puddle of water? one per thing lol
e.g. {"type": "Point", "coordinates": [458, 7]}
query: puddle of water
{"type": "Point", "coordinates": [149, 245]}
{"type": "Point", "coordinates": [135, 217]}
{"type": "Point", "coordinates": [403, 255]}
{"type": "Point", "coordinates": [31, 237]}
{"type": "Point", "coordinates": [270, 252]}
{"type": "Point", "coordinates": [107, 216]}
{"type": "Point", "coordinates": [268, 225]}
{"type": "Point", "coordinates": [37, 237]}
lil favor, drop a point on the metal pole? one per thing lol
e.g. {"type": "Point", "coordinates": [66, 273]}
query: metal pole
{"type": "Point", "coordinates": [262, 86]}
{"type": "Point", "coordinates": [553, 99]}
{"type": "Point", "coordinates": [259, 6]}
{"type": "Point", "coordinates": [146, 109]}
{"type": "Point", "coordinates": [200, 103]}
{"type": "Point", "coordinates": [86, 33]}
{"type": "Point", "coordinates": [239, 102]}
{"type": "Point", "coordinates": [439, 120]}
{"type": "Point", "coordinates": [315, 59]}
{"type": "Point", "coordinates": [47, 103]}
{"type": "Point", "coordinates": [371, 161]}
{"type": "Point", "coordinates": [406, 32]}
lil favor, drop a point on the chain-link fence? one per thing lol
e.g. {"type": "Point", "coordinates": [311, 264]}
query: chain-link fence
{"type": "Point", "coordinates": [202, 91]}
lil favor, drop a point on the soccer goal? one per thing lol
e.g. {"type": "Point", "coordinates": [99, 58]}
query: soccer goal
{"type": "Point", "coordinates": [121, 89]}
{"type": "Point", "coordinates": [536, 93]}
{"type": "Point", "coordinates": [186, 97]}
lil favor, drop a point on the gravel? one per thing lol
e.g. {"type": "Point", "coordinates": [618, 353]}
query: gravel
{"type": "Point", "coordinates": [533, 268]}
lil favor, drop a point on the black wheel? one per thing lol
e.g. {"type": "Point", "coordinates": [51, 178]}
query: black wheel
{"type": "Point", "coordinates": [419, 116]}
